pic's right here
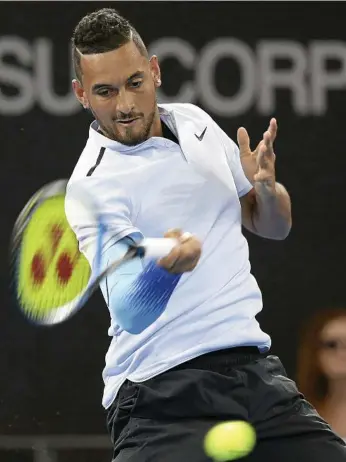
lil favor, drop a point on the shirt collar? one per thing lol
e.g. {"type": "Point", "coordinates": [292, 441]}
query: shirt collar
{"type": "Point", "coordinates": [104, 141]}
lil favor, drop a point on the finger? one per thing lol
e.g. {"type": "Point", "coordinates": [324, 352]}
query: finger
{"type": "Point", "coordinates": [258, 148]}
{"type": "Point", "coordinates": [183, 258]}
{"type": "Point", "coordinates": [182, 253]}
{"type": "Point", "coordinates": [268, 142]}
{"type": "Point", "coordinates": [171, 259]}
{"type": "Point", "coordinates": [190, 250]}
{"type": "Point", "coordinates": [267, 147]}
{"type": "Point", "coordinates": [186, 237]}
{"type": "Point", "coordinates": [174, 233]}
{"type": "Point", "coordinates": [265, 157]}
{"type": "Point", "coordinates": [187, 260]}
{"type": "Point", "coordinates": [243, 139]}
{"type": "Point", "coordinates": [273, 128]}
{"type": "Point", "coordinates": [188, 266]}
{"type": "Point", "coordinates": [262, 160]}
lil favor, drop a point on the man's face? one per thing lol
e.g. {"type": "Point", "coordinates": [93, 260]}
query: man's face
{"type": "Point", "coordinates": [119, 87]}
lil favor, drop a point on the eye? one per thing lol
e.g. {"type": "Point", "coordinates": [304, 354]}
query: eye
{"type": "Point", "coordinates": [135, 83]}
{"type": "Point", "coordinates": [104, 92]}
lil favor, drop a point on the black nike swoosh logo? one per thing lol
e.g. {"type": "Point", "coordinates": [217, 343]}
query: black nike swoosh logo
{"type": "Point", "coordinates": [201, 136]}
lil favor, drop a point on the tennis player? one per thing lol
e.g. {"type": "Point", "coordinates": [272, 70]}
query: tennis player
{"type": "Point", "coordinates": [187, 351]}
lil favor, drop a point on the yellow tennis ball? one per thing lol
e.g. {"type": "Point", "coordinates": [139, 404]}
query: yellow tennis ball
{"type": "Point", "coordinates": [230, 440]}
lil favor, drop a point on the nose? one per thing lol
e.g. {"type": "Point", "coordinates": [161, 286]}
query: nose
{"type": "Point", "coordinates": [125, 103]}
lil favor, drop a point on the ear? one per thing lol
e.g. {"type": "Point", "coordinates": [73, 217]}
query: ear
{"type": "Point", "coordinates": [155, 70]}
{"type": "Point", "coordinates": [80, 93]}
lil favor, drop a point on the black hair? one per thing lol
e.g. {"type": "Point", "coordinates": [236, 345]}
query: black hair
{"type": "Point", "coordinates": [101, 31]}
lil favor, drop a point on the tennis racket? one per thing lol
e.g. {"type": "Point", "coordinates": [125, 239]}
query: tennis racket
{"type": "Point", "coordinates": [52, 279]}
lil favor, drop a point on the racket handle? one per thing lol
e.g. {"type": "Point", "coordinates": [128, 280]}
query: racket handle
{"type": "Point", "coordinates": [157, 247]}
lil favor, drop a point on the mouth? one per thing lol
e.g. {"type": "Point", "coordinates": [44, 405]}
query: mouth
{"type": "Point", "coordinates": [127, 122]}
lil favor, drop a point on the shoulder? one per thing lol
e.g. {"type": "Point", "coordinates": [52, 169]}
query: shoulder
{"type": "Point", "coordinates": [93, 177]}
{"type": "Point", "coordinates": [89, 159]}
{"type": "Point", "coordinates": [199, 116]}
{"type": "Point", "coordinates": [187, 109]}
{"type": "Point", "coordinates": [94, 154]}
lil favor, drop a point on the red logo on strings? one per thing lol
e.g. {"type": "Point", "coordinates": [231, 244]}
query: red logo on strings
{"type": "Point", "coordinates": [65, 262]}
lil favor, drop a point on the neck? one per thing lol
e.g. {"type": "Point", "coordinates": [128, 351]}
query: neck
{"type": "Point", "coordinates": [156, 128]}
{"type": "Point", "coordinates": [337, 392]}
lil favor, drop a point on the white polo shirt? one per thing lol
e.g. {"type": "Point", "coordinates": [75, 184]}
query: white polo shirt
{"type": "Point", "coordinates": [158, 185]}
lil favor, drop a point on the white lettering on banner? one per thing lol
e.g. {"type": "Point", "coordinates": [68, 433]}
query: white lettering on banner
{"type": "Point", "coordinates": [174, 47]}
{"type": "Point", "coordinates": [50, 102]}
{"type": "Point", "coordinates": [293, 78]}
{"type": "Point", "coordinates": [17, 77]}
{"type": "Point", "coordinates": [324, 78]}
{"type": "Point", "coordinates": [205, 76]}
{"type": "Point", "coordinates": [33, 86]}
{"type": "Point", "coordinates": [307, 77]}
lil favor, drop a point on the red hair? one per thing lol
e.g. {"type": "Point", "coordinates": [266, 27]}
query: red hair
{"type": "Point", "coordinates": [310, 379]}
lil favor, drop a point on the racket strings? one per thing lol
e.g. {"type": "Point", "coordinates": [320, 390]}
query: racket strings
{"type": "Point", "coordinates": [53, 279]}
{"type": "Point", "coordinates": [51, 272]}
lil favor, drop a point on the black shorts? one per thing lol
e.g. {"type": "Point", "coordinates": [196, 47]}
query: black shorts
{"type": "Point", "coordinates": [166, 418]}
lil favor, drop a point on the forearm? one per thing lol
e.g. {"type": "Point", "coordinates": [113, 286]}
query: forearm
{"type": "Point", "coordinates": [136, 296]}
{"type": "Point", "coordinates": [136, 301]}
{"type": "Point", "coordinates": [271, 212]}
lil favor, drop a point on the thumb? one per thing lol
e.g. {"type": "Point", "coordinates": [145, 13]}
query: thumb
{"type": "Point", "coordinates": [243, 139]}
{"type": "Point", "coordinates": [174, 233]}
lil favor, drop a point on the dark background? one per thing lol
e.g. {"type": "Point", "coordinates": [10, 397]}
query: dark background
{"type": "Point", "coordinates": [50, 378]}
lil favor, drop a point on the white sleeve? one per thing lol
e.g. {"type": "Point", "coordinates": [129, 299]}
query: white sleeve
{"type": "Point", "coordinates": [242, 184]}
{"type": "Point", "coordinates": [114, 205]}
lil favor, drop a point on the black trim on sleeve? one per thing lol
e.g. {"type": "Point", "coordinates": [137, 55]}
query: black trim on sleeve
{"type": "Point", "coordinates": [98, 161]}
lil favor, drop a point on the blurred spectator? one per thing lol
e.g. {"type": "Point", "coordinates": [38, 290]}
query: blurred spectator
{"type": "Point", "coordinates": [321, 374]}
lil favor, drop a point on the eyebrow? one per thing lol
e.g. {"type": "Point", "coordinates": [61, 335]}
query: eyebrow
{"type": "Point", "coordinates": [136, 75]}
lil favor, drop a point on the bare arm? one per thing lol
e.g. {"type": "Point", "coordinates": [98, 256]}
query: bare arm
{"type": "Point", "coordinates": [266, 209]}
{"type": "Point", "coordinates": [267, 215]}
